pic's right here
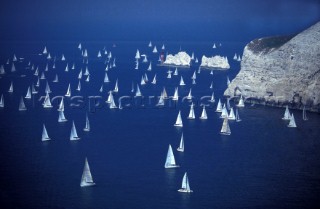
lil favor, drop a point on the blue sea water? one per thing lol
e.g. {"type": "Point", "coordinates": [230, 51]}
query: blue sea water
{"type": "Point", "coordinates": [262, 164]}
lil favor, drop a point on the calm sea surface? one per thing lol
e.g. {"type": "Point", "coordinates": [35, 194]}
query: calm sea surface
{"type": "Point", "coordinates": [262, 164]}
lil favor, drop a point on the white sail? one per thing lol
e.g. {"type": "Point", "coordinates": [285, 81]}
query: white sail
{"type": "Point", "coordinates": [190, 94]}
{"type": "Point", "coordinates": [164, 93]}
{"type": "Point", "coordinates": [56, 79]}
{"type": "Point", "coordinates": [192, 56]}
{"type": "Point", "coordinates": [292, 122]}
{"type": "Point", "coordinates": [154, 81]}
{"type": "Point", "coordinates": [61, 105]}
{"type": "Point", "coordinates": [13, 68]}
{"type": "Point", "coordinates": [73, 66]}
{"type": "Point", "coordinates": [304, 114]}
{"type": "Point", "coordinates": [137, 54]}
{"type": "Point", "coordinates": [67, 68]}
{"type": "Point", "coordinates": [99, 54]}
{"type": "Point", "coordinates": [2, 70]}
{"type": "Point", "coordinates": [196, 61]}
{"type": "Point", "coordinates": [182, 81]}
{"type": "Point", "coordinates": [86, 72]}
{"type": "Point", "coordinates": [1, 101]}
{"type": "Point", "coordinates": [228, 81]}
{"type": "Point", "coordinates": [47, 102]}
{"type": "Point", "coordinates": [47, 90]}
{"type": "Point", "coordinates": [86, 178]}
{"type": "Point", "coordinates": [150, 44]}
{"type": "Point", "coordinates": [235, 56]}
{"type": "Point", "coordinates": [224, 112]}
{"type": "Point", "coordinates": [113, 104]}
{"type": "Point", "coordinates": [80, 74]}
{"type": "Point", "coordinates": [191, 112]}
{"type": "Point", "coordinates": [212, 99]}
{"type": "Point", "coordinates": [88, 78]}
{"type": "Point", "coordinates": [211, 85]}
{"type": "Point", "coordinates": [241, 102]}
{"type": "Point", "coordinates": [68, 94]}
{"type": "Point", "coordinates": [286, 115]}
{"type": "Point", "coordinates": [87, 127]}
{"type": "Point", "coordinates": [143, 82]}
{"type": "Point", "coordinates": [11, 88]}
{"type": "Point", "coordinates": [169, 74]}
{"type": "Point", "coordinates": [73, 134]}
{"type": "Point", "coordinates": [116, 88]}
{"type": "Point", "coordinates": [138, 92]}
{"type": "Point", "coordinates": [79, 86]}
{"type": "Point", "coordinates": [42, 77]}
{"type": "Point", "coordinates": [163, 47]}
{"type": "Point", "coordinates": [181, 145]}
{"type": "Point", "coordinates": [170, 160]}
{"type": "Point", "coordinates": [150, 66]}
{"type": "Point", "coordinates": [231, 115]}
{"type": "Point", "coordinates": [106, 78]}
{"type": "Point", "coordinates": [194, 75]}
{"type": "Point", "coordinates": [204, 115]}
{"type": "Point", "coordinates": [62, 118]}
{"type": "Point", "coordinates": [214, 46]}
{"type": "Point", "coordinates": [179, 120]}
{"type": "Point", "coordinates": [238, 119]}
{"type": "Point", "coordinates": [33, 91]}
{"type": "Point", "coordinates": [185, 186]}
{"type": "Point", "coordinates": [101, 88]}
{"type": "Point", "coordinates": [45, 136]}
{"type": "Point", "coordinates": [225, 129]}
{"type": "Point", "coordinates": [28, 95]}
{"type": "Point", "coordinates": [145, 59]}
{"type": "Point", "coordinates": [161, 100]}
{"type": "Point", "coordinates": [239, 58]}
{"type": "Point", "coordinates": [110, 98]}
{"type": "Point", "coordinates": [176, 72]}
{"type": "Point", "coordinates": [45, 51]}
{"type": "Point", "coordinates": [63, 57]}
{"type": "Point", "coordinates": [176, 94]}
{"type": "Point", "coordinates": [155, 50]}
{"type": "Point", "coordinates": [22, 106]}
{"type": "Point", "coordinates": [219, 107]}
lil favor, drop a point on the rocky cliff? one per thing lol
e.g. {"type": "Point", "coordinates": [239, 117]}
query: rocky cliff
{"type": "Point", "coordinates": [281, 70]}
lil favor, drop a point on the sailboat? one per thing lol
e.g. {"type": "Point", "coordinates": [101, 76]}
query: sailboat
{"type": "Point", "coordinates": [28, 95]}
{"type": "Point", "coordinates": [112, 104]}
{"type": "Point", "coordinates": [155, 50]}
{"type": "Point", "coordinates": [56, 79]}
{"type": "Point", "coordinates": [61, 105]}
{"type": "Point", "coordinates": [212, 98]}
{"type": "Point", "coordinates": [2, 70]}
{"type": "Point", "coordinates": [286, 115]}
{"type": "Point", "coordinates": [169, 74]}
{"type": "Point", "coordinates": [237, 116]}
{"type": "Point", "coordinates": [219, 107]}
{"type": "Point", "coordinates": [150, 66]}
{"type": "Point", "coordinates": [225, 129]}
{"type": "Point", "coordinates": [143, 82]}
{"type": "Point", "coordinates": [179, 120]}
{"type": "Point", "coordinates": [150, 44]}
{"type": "Point", "coordinates": [228, 81]}
{"type": "Point", "coordinates": [163, 47]}
{"type": "Point", "coordinates": [87, 127]}
{"type": "Point", "coordinates": [88, 78]}
{"type": "Point", "coordinates": [154, 81]}
{"type": "Point", "coordinates": [13, 68]}
{"type": "Point", "coordinates": [161, 100]}
{"type": "Point", "coordinates": [68, 94]}
{"type": "Point", "coordinates": [175, 71]}
{"type": "Point", "coordinates": [99, 54]}
{"type": "Point", "coordinates": [73, 134]}
{"type": "Point", "coordinates": [214, 46]}
{"type": "Point", "coordinates": [137, 54]}
{"type": "Point", "coordinates": [231, 115]}
{"type": "Point", "coordinates": [241, 102]}
{"type": "Point", "coordinates": [80, 74]}
{"type": "Point", "coordinates": [292, 122]}
{"type": "Point", "coordinates": [164, 93]}
{"type": "Point", "coordinates": [189, 95]}
{"type": "Point", "coordinates": [1, 101]}
{"type": "Point", "coordinates": [181, 145]}
{"type": "Point", "coordinates": [86, 178]}
{"type": "Point", "coordinates": [79, 86]}
{"type": "Point", "coordinates": [211, 85]}
{"type": "Point", "coordinates": [116, 88]}
{"type": "Point", "coordinates": [62, 118]}
{"type": "Point", "coordinates": [138, 92]}
{"type": "Point", "coordinates": [235, 56]}
{"type": "Point", "coordinates": [45, 136]}
{"type": "Point", "coordinates": [170, 160]}
{"type": "Point", "coordinates": [86, 72]}
{"type": "Point", "coordinates": [63, 57]}
{"type": "Point", "coordinates": [304, 114]}
{"type": "Point", "coordinates": [47, 90]}
{"type": "Point", "coordinates": [22, 106]}
{"type": "Point", "coordinates": [106, 78]}
{"type": "Point", "coordinates": [191, 112]}
{"type": "Point", "coordinates": [47, 102]}
{"type": "Point", "coordinates": [11, 88]}
{"type": "Point", "coordinates": [182, 82]}
{"type": "Point", "coordinates": [110, 98]}
{"type": "Point", "coordinates": [185, 187]}
{"type": "Point", "coordinates": [204, 113]}
{"type": "Point", "coordinates": [224, 112]}
{"type": "Point", "coordinates": [175, 95]}
{"type": "Point", "coordinates": [45, 51]}
{"type": "Point", "coordinates": [67, 68]}
{"type": "Point", "coordinates": [194, 75]}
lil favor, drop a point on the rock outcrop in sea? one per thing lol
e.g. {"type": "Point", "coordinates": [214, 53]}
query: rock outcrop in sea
{"type": "Point", "coordinates": [215, 62]}
{"type": "Point", "coordinates": [180, 59]}
{"type": "Point", "coordinates": [281, 71]}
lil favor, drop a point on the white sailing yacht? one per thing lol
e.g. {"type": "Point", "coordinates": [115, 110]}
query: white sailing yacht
{"type": "Point", "coordinates": [154, 81]}
{"type": "Point", "coordinates": [224, 112]}
{"type": "Point", "coordinates": [45, 51]}
{"type": "Point", "coordinates": [79, 86]}
{"type": "Point", "coordinates": [219, 107]}
{"type": "Point", "coordinates": [87, 127]}
{"type": "Point", "coordinates": [11, 88]}
{"type": "Point", "coordinates": [56, 79]}
{"type": "Point", "coordinates": [1, 101]}
{"type": "Point", "coordinates": [212, 99]}
{"type": "Point", "coordinates": [62, 118]}
{"type": "Point", "coordinates": [191, 112]}
{"type": "Point", "coordinates": [231, 115]}
{"type": "Point", "coordinates": [169, 74]}
{"type": "Point", "coordinates": [106, 78]}
{"type": "Point", "coordinates": [45, 136]}
{"type": "Point", "coordinates": [28, 95]}
{"type": "Point", "coordinates": [80, 74]}
{"type": "Point", "coordinates": [101, 88]}
{"type": "Point", "coordinates": [190, 94]}
{"type": "Point", "coordinates": [292, 122]}
{"type": "Point", "coordinates": [225, 129]}
{"type": "Point", "coordinates": [138, 92]}
{"type": "Point", "coordinates": [241, 102]}
{"type": "Point", "coordinates": [67, 68]}
{"type": "Point", "coordinates": [161, 100]}
{"type": "Point", "coordinates": [88, 78]}
{"type": "Point", "coordinates": [176, 94]}
{"type": "Point", "coordinates": [68, 94]}
{"type": "Point", "coordinates": [182, 82]}
{"type": "Point", "coordinates": [185, 187]}
{"type": "Point", "coordinates": [164, 93]}
{"type": "Point", "coordinates": [47, 90]}
{"type": "Point", "coordinates": [211, 85]}
{"type": "Point", "coordinates": [137, 54]}
{"type": "Point", "coordinates": [86, 178]}
{"type": "Point", "coordinates": [235, 56]}
{"type": "Point", "coordinates": [155, 50]}
{"type": "Point", "coordinates": [237, 116]}
{"type": "Point", "coordinates": [150, 66]}
{"type": "Point", "coordinates": [143, 82]}
{"type": "Point", "coordinates": [116, 88]}
{"type": "Point", "coordinates": [150, 44]}
{"type": "Point", "coordinates": [110, 98]}
{"type": "Point", "coordinates": [22, 106]}
{"type": "Point", "coordinates": [179, 120]}
{"type": "Point", "coordinates": [47, 102]}
{"type": "Point", "coordinates": [181, 145]}
{"type": "Point", "coordinates": [204, 113]}
{"type": "Point", "coordinates": [176, 71]}
{"type": "Point", "coordinates": [286, 115]}
{"type": "Point", "coordinates": [170, 160]}
{"type": "Point", "coordinates": [61, 105]}
{"type": "Point", "coordinates": [73, 134]}
{"type": "Point", "coordinates": [304, 114]}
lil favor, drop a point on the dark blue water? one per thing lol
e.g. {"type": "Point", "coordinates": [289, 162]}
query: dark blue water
{"type": "Point", "coordinates": [262, 164]}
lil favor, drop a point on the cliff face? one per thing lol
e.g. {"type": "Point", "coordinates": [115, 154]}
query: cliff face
{"type": "Point", "coordinates": [281, 70]}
